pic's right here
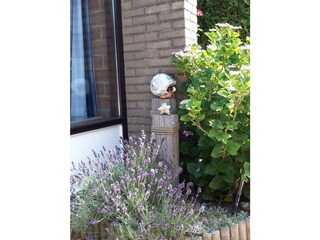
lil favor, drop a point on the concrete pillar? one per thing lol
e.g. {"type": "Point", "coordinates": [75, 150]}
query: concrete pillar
{"type": "Point", "coordinates": [166, 129]}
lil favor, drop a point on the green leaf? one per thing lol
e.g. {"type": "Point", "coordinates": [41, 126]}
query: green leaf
{"type": "Point", "coordinates": [194, 169]}
{"type": "Point", "coordinates": [185, 118]}
{"type": "Point", "coordinates": [185, 104]}
{"type": "Point", "coordinates": [223, 93]}
{"type": "Point", "coordinates": [216, 107]}
{"type": "Point", "coordinates": [207, 194]}
{"type": "Point", "coordinates": [211, 170]}
{"type": "Point", "coordinates": [195, 104]}
{"type": "Point", "coordinates": [201, 117]}
{"type": "Point", "coordinates": [232, 147]}
{"type": "Point", "coordinates": [229, 177]}
{"type": "Point", "coordinates": [217, 183]}
{"type": "Point", "coordinates": [232, 125]}
{"type": "Point", "coordinates": [230, 105]}
{"type": "Point", "coordinates": [217, 150]}
{"type": "Point", "coordinates": [246, 174]}
{"type": "Point", "coordinates": [220, 136]}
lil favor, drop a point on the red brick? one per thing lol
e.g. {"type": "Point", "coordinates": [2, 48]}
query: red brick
{"type": "Point", "coordinates": [159, 44]}
{"type": "Point", "coordinates": [134, 47]}
{"type": "Point", "coordinates": [144, 104]}
{"type": "Point", "coordinates": [138, 112]}
{"type": "Point", "coordinates": [128, 56]}
{"type": "Point", "coordinates": [147, 54]}
{"type": "Point", "coordinates": [179, 24]}
{"type": "Point", "coordinates": [130, 72]}
{"type": "Point", "coordinates": [128, 39]}
{"type": "Point", "coordinates": [172, 34]}
{"type": "Point", "coordinates": [139, 120]}
{"type": "Point", "coordinates": [179, 42]}
{"type": "Point", "coordinates": [140, 3]}
{"type": "Point", "coordinates": [138, 96]}
{"type": "Point", "coordinates": [135, 64]}
{"type": "Point", "coordinates": [127, 22]}
{"type": "Point", "coordinates": [147, 71]}
{"type": "Point", "coordinates": [145, 37]}
{"type": "Point", "coordinates": [125, 5]}
{"type": "Point", "coordinates": [135, 29]}
{"type": "Point", "coordinates": [131, 104]}
{"type": "Point", "coordinates": [132, 13]}
{"type": "Point", "coordinates": [158, 27]}
{"type": "Point", "coordinates": [143, 88]}
{"type": "Point", "coordinates": [166, 53]}
{"type": "Point", "coordinates": [159, 8]}
{"type": "Point", "coordinates": [160, 62]}
{"type": "Point", "coordinates": [171, 15]}
{"type": "Point", "coordinates": [145, 19]}
{"type": "Point", "coordinates": [131, 88]}
{"type": "Point", "coordinates": [137, 80]}
{"type": "Point", "coordinates": [177, 5]}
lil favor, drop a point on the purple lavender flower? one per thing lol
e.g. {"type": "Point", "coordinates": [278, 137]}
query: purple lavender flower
{"type": "Point", "coordinates": [94, 222]}
{"type": "Point", "coordinates": [187, 133]}
{"type": "Point", "coordinates": [201, 210]}
{"type": "Point", "coordinates": [180, 228]}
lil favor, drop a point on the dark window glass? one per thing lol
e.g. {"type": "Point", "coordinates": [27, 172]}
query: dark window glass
{"type": "Point", "coordinates": [94, 79]}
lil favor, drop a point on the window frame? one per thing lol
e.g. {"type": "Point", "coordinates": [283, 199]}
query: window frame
{"type": "Point", "coordinates": [93, 124]}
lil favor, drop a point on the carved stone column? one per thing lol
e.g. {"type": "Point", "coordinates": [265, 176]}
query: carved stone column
{"type": "Point", "coordinates": [166, 129]}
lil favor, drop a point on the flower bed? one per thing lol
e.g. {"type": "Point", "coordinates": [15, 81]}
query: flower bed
{"type": "Point", "coordinates": [130, 190]}
{"type": "Point", "coordinates": [128, 194]}
{"type": "Point", "coordinates": [238, 231]}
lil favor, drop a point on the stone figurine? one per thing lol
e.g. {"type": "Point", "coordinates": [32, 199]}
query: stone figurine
{"type": "Point", "coordinates": [164, 109]}
{"type": "Point", "coordinates": [163, 86]}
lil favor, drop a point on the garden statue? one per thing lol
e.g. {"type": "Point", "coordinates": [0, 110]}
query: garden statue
{"type": "Point", "coordinates": [162, 85]}
{"type": "Point", "coordinates": [164, 109]}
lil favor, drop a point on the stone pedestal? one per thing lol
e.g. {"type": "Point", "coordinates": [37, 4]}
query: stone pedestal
{"type": "Point", "coordinates": [166, 129]}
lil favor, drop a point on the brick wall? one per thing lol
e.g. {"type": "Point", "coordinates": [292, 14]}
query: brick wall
{"type": "Point", "coordinates": [152, 30]}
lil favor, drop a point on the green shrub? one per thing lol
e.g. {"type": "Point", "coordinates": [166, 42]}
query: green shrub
{"type": "Point", "coordinates": [235, 12]}
{"type": "Point", "coordinates": [217, 111]}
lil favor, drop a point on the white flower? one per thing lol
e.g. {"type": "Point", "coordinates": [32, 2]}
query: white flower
{"type": "Point", "coordinates": [164, 109]}
{"type": "Point", "coordinates": [245, 47]}
{"type": "Point", "coordinates": [212, 47]}
{"type": "Point", "coordinates": [246, 67]}
{"type": "Point", "coordinates": [232, 66]}
{"type": "Point", "coordinates": [233, 73]}
{"type": "Point", "coordinates": [227, 25]}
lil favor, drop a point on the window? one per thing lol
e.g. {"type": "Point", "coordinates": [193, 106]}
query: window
{"type": "Point", "coordinates": [96, 74]}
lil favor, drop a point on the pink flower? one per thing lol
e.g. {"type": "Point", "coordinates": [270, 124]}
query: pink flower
{"type": "Point", "coordinates": [199, 13]}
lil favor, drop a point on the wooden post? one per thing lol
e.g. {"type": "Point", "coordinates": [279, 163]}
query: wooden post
{"type": "Point", "coordinates": [96, 231]}
{"type": "Point", "coordinates": [166, 130]}
{"type": "Point", "coordinates": [248, 227]}
{"type": "Point", "coordinates": [206, 236]}
{"type": "Point", "coordinates": [242, 230]}
{"type": "Point", "coordinates": [225, 233]}
{"type": "Point", "coordinates": [103, 232]}
{"type": "Point", "coordinates": [216, 235]}
{"type": "Point", "coordinates": [234, 232]}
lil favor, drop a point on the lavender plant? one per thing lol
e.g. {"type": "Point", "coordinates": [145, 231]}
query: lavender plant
{"type": "Point", "coordinates": [129, 190]}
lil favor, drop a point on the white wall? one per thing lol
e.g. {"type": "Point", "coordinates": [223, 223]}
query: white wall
{"type": "Point", "coordinates": [81, 144]}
